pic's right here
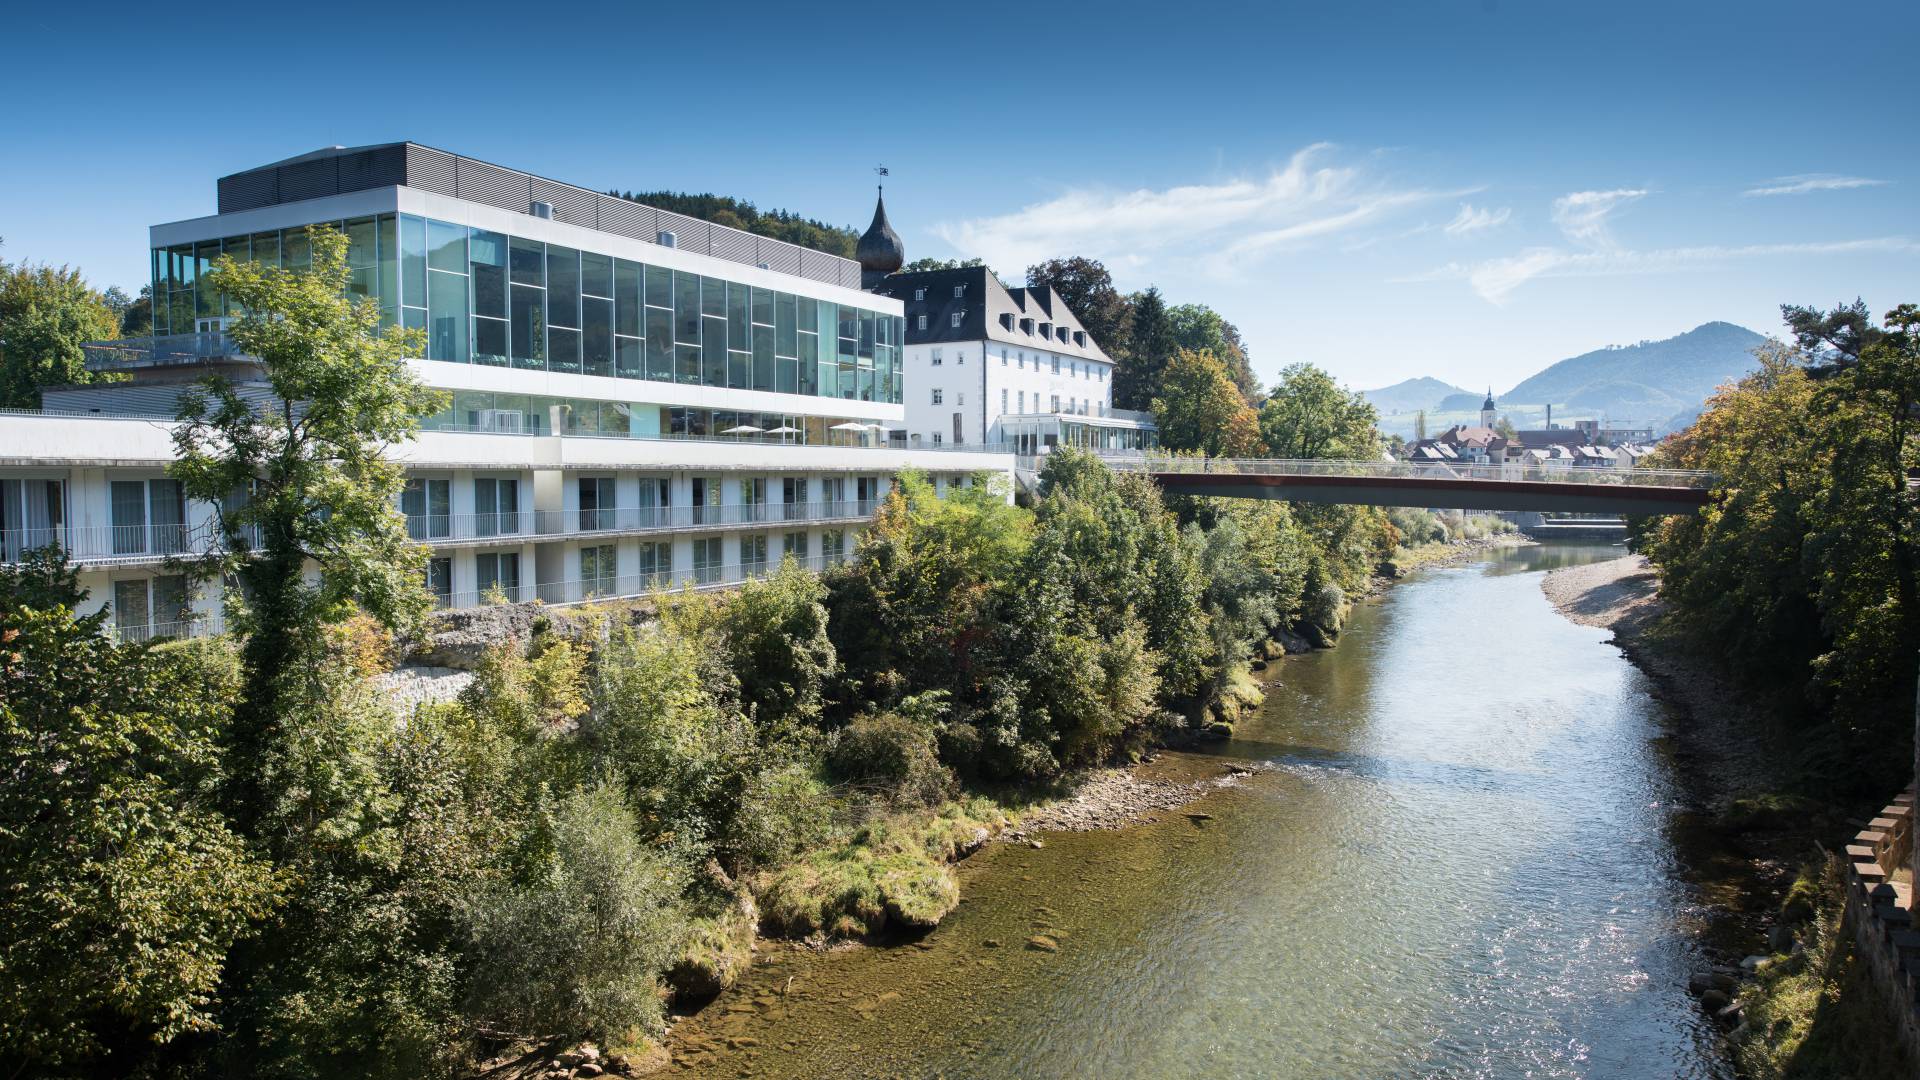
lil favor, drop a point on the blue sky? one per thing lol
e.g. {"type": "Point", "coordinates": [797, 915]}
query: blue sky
{"type": "Point", "coordinates": [1467, 190]}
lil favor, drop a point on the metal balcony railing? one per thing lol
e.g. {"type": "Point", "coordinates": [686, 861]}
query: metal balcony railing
{"type": "Point", "coordinates": [579, 590]}
{"type": "Point", "coordinates": [549, 524]}
{"type": "Point", "coordinates": [160, 350]}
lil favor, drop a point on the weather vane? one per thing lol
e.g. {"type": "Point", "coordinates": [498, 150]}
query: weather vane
{"type": "Point", "coordinates": [880, 170]}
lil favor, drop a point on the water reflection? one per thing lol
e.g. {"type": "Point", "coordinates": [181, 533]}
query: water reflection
{"type": "Point", "coordinates": [1458, 868]}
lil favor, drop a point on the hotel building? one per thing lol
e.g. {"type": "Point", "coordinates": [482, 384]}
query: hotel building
{"type": "Point", "coordinates": [987, 364]}
{"type": "Point", "coordinates": [638, 398]}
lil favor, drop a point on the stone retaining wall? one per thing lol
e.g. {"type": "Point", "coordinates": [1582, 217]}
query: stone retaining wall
{"type": "Point", "coordinates": [1880, 912]}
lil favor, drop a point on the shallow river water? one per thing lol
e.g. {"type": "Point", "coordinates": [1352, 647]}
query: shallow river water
{"type": "Point", "coordinates": [1462, 864]}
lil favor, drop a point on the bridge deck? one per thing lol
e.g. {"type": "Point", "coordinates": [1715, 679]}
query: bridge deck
{"type": "Point", "coordinates": [1462, 487]}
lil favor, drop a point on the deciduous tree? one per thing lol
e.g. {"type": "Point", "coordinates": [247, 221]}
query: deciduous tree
{"type": "Point", "coordinates": [1199, 408]}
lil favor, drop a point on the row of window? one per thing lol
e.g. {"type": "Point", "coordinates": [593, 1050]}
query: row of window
{"type": "Point", "coordinates": [1075, 369]}
{"type": "Point", "coordinates": [488, 298]}
{"type": "Point", "coordinates": [498, 579]}
{"type": "Point", "coordinates": [427, 502]}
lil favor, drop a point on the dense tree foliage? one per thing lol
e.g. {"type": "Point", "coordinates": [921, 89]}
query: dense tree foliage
{"type": "Point", "coordinates": [1801, 572]}
{"type": "Point", "coordinates": [1150, 344]}
{"type": "Point", "coordinates": [305, 482]}
{"type": "Point", "coordinates": [740, 214]}
{"type": "Point", "coordinates": [121, 885]}
{"type": "Point", "coordinates": [1088, 289]}
{"type": "Point", "coordinates": [1308, 415]}
{"type": "Point", "coordinates": [1200, 408]}
{"type": "Point", "coordinates": [46, 314]}
{"type": "Point", "coordinates": [1199, 328]}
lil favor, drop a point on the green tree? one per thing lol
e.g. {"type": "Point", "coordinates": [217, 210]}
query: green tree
{"type": "Point", "coordinates": [1150, 344]}
{"type": "Point", "coordinates": [1199, 328]}
{"type": "Point", "coordinates": [123, 886]}
{"type": "Point", "coordinates": [918, 265]}
{"type": "Point", "coordinates": [776, 634]}
{"type": "Point", "coordinates": [46, 314]}
{"type": "Point", "coordinates": [304, 481]}
{"type": "Point", "coordinates": [1088, 289]}
{"type": "Point", "coordinates": [1308, 415]}
{"type": "Point", "coordinates": [1200, 408]}
{"type": "Point", "coordinates": [574, 947]}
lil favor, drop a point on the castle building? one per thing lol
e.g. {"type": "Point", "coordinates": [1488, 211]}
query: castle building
{"type": "Point", "coordinates": [637, 398]}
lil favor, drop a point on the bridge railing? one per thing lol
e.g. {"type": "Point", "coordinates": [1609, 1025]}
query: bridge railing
{"type": "Point", "coordinates": [1408, 470]}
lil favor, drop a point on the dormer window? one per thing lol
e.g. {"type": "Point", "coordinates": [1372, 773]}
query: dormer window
{"type": "Point", "coordinates": [1026, 326]}
{"type": "Point", "coordinates": [957, 317]}
{"type": "Point", "coordinates": [919, 294]}
{"type": "Point", "coordinates": [922, 322]}
{"type": "Point", "coordinates": [1006, 320]}
{"type": "Point", "coordinates": [1063, 333]}
{"type": "Point", "coordinates": [1080, 338]}
{"type": "Point", "coordinates": [1046, 330]}
{"type": "Point", "coordinates": [959, 292]}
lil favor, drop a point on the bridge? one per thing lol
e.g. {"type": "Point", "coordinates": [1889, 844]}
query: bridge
{"type": "Point", "coordinates": [1452, 487]}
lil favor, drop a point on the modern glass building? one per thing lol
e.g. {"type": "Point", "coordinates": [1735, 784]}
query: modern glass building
{"type": "Point", "coordinates": [637, 398]}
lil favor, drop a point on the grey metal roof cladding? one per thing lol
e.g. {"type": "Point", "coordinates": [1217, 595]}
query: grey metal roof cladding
{"type": "Point", "coordinates": [337, 169]}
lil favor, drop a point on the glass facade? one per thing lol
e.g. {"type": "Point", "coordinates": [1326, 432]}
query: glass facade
{"type": "Point", "coordinates": [535, 414]}
{"type": "Point", "coordinates": [488, 298]}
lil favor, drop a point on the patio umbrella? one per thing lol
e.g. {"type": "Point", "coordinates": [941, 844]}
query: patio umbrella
{"type": "Point", "coordinates": [851, 425]}
{"type": "Point", "coordinates": [743, 429]}
{"type": "Point", "coordinates": [783, 429]}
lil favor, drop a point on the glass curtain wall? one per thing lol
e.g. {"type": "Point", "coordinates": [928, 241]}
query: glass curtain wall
{"type": "Point", "coordinates": [488, 298]}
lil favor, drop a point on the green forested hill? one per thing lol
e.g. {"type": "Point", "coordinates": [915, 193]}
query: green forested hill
{"type": "Point", "coordinates": [1410, 395]}
{"type": "Point", "coordinates": [1652, 382]}
{"type": "Point", "coordinates": [778, 224]}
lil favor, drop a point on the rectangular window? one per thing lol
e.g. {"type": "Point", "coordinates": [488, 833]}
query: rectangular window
{"type": "Point", "coordinates": [1056, 402]}
{"type": "Point", "coordinates": [686, 308]}
{"type": "Point", "coordinates": [936, 396]}
{"type": "Point", "coordinates": [428, 506]}
{"type": "Point", "coordinates": [921, 323]}
{"type": "Point", "coordinates": [709, 559]}
{"type": "Point", "coordinates": [529, 327]}
{"type": "Point", "coordinates": [659, 344]}
{"type": "Point", "coordinates": [497, 575]}
{"type": "Point", "coordinates": [626, 298]}
{"type": "Point", "coordinates": [959, 291]}
{"type": "Point", "coordinates": [129, 516]}
{"type": "Point", "coordinates": [599, 571]}
{"type": "Point", "coordinates": [956, 319]}
{"type": "Point", "coordinates": [793, 494]}
{"type": "Point", "coordinates": [496, 506]}
{"type": "Point", "coordinates": [529, 262]}
{"type": "Point", "coordinates": [936, 357]}
{"type": "Point", "coordinates": [794, 546]}
{"type": "Point", "coordinates": [656, 563]}
{"type": "Point", "coordinates": [1003, 399]}
{"type": "Point", "coordinates": [440, 581]}
{"type": "Point", "coordinates": [596, 502]}
{"type": "Point", "coordinates": [753, 556]}
{"type": "Point", "coordinates": [447, 315]}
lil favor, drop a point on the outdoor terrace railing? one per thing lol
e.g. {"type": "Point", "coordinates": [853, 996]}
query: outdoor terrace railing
{"type": "Point", "coordinates": [580, 590]}
{"type": "Point", "coordinates": [1407, 470]}
{"type": "Point", "coordinates": [161, 349]}
{"type": "Point", "coordinates": [549, 524]}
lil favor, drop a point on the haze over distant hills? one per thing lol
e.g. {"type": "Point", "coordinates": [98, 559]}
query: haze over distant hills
{"type": "Point", "coordinates": [1410, 395]}
{"type": "Point", "coordinates": [1656, 384]}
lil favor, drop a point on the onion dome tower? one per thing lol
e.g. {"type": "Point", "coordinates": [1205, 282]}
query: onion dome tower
{"type": "Point", "coordinates": [880, 251]}
{"type": "Point", "coordinates": [1487, 409]}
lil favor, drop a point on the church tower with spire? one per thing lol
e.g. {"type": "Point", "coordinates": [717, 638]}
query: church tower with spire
{"type": "Point", "coordinates": [1487, 409]}
{"type": "Point", "coordinates": [880, 252]}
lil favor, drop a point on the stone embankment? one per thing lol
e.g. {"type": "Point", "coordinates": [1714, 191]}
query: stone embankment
{"type": "Point", "coordinates": [1880, 913]}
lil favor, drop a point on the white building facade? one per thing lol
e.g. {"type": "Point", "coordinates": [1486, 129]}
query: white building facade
{"type": "Point", "coordinates": [638, 399]}
{"type": "Point", "coordinates": [1006, 368]}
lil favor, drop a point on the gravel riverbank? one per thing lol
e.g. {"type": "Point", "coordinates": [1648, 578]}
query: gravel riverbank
{"type": "Point", "coordinates": [1718, 740]}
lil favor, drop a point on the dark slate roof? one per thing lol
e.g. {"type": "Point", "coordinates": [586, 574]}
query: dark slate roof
{"type": "Point", "coordinates": [337, 169]}
{"type": "Point", "coordinates": [982, 304]}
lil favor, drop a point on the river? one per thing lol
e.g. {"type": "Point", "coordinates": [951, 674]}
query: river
{"type": "Point", "coordinates": [1462, 863]}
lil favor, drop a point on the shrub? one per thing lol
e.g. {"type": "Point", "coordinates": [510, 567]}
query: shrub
{"type": "Point", "coordinates": [893, 755]}
{"type": "Point", "coordinates": [573, 951]}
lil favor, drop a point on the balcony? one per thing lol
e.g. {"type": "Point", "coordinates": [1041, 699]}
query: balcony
{"type": "Point", "coordinates": [110, 545]}
{"type": "Point", "coordinates": [462, 529]}
{"type": "Point", "coordinates": [161, 350]}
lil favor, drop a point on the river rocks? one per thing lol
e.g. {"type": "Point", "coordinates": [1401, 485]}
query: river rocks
{"type": "Point", "coordinates": [1036, 842]}
{"type": "Point", "coordinates": [1043, 943]}
{"type": "Point", "coordinates": [1714, 999]}
{"type": "Point", "coordinates": [1752, 964]}
{"type": "Point", "coordinates": [1780, 939]}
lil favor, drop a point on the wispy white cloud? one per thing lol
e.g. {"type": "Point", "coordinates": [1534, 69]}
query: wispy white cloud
{"type": "Point", "coordinates": [1242, 220]}
{"type": "Point", "coordinates": [1582, 215]}
{"type": "Point", "coordinates": [1496, 279]}
{"type": "Point", "coordinates": [1472, 219]}
{"type": "Point", "coordinates": [1806, 183]}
